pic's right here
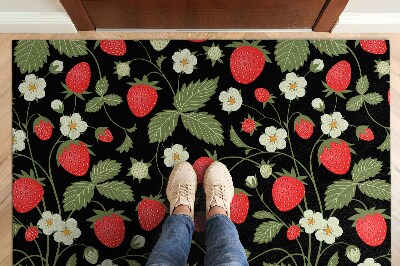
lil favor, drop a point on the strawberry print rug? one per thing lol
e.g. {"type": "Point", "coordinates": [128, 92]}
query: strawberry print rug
{"type": "Point", "coordinates": [302, 125]}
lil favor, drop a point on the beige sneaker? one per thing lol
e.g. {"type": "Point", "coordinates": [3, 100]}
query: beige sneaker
{"type": "Point", "coordinates": [218, 187]}
{"type": "Point", "coordinates": [182, 185]}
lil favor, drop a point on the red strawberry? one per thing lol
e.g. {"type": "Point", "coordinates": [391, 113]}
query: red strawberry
{"type": "Point", "coordinates": [370, 226]}
{"type": "Point", "coordinates": [287, 193]}
{"type": "Point", "coordinates": [109, 227]}
{"type": "Point", "coordinates": [31, 233]}
{"type": "Point", "coordinates": [142, 97]}
{"type": "Point", "coordinates": [364, 133]}
{"type": "Point", "coordinates": [27, 192]}
{"type": "Point", "coordinates": [199, 222]}
{"type": "Point", "coordinates": [249, 125]}
{"type": "Point", "coordinates": [151, 212]}
{"type": "Point", "coordinates": [200, 166]}
{"type": "Point", "coordinates": [293, 232]}
{"type": "Point", "coordinates": [247, 61]}
{"type": "Point", "coordinates": [338, 77]}
{"type": "Point", "coordinates": [73, 155]}
{"type": "Point", "coordinates": [335, 155]}
{"type": "Point", "coordinates": [262, 95]}
{"type": "Point", "coordinates": [113, 47]}
{"type": "Point", "coordinates": [78, 78]}
{"type": "Point", "coordinates": [43, 128]}
{"type": "Point", "coordinates": [304, 126]}
{"type": "Point", "coordinates": [239, 206]}
{"type": "Point", "coordinates": [103, 134]}
{"type": "Point", "coordinates": [374, 46]}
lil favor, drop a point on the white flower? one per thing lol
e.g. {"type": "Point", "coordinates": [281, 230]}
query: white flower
{"type": "Point", "coordinates": [137, 242]}
{"type": "Point", "coordinates": [311, 221]}
{"type": "Point", "coordinates": [57, 106]}
{"type": "Point", "coordinates": [329, 231]}
{"type": "Point", "coordinates": [318, 104]}
{"type": "Point", "coordinates": [107, 262]}
{"type": "Point", "coordinates": [18, 140]}
{"type": "Point", "coordinates": [251, 181]}
{"type": "Point", "coordinates": [50, 223]}
{"type": "Point", "coordinates": [273, 139]}
{"type": "Point", "coordinates": [369, 262]}
{"type": "Point", "coordinates": [293, 86]}
{"type": "Point", "coordinates": [174, 155]}
{"type": "Point", "coordinates": [231, 100]}
{"type": "Point", "coordinates": [67, 232]}
{"type": "Point", "coordinates": [56, 67]}
{"type": "Point", "coordinates": [72, 126]}
{"type": "Point", "coordinates": [32, 88]}
{"type": "Point", "coordinates": [184, 61]}
{"type": "Point", "coordinates": [333, 125]}
{"type": "Point", "coordinates": [316, 65]}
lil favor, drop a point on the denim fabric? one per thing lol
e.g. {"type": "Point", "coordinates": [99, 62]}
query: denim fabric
{"type": "Point", "coordinates": [223, 247]}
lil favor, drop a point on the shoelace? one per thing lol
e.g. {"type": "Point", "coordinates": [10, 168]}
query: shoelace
{"type": "Point", "coordinates": [183, 190]}
{"type": "Point", "coordinates": [218, 191]}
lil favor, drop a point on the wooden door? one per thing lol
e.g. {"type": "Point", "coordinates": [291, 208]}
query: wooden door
{"type": "Point", "coordinates": [318, 15]}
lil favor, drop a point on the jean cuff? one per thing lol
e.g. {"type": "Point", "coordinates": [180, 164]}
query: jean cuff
{"type": "Point", "coordinates": [217, 215]}
{"type": "Point", "coordinates": [185, 216]}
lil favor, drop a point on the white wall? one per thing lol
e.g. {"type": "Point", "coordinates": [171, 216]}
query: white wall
{"type": "Point", "coordinates": [31, 6]}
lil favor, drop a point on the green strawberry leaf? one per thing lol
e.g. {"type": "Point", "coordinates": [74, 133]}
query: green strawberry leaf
{"type": "Point", "coordinates": [377, 189]}
{"type": "Point", "coordinates": [193, 96]}
{"type": "Point", "coordinates": [330, 47]}
{"type": "Point", "coordinates": [132, 262]}
{"type": "Point", "coordinates": [266, 231]}
{"type": "Point", "coordinates": [104, 170]}
{"type": "Point", "coordinates": [94, 105]}
{"type": "Point", "coordinates": [162, 125]}
{"type": "Point", "coordinates": [126, 145]}
{"type": "Point", "coordinates": [71, 261]}
{"type": "Point", "coordinates": [366, 169]}
{"type": "Point", "coordinates": [160, 60]}
{"type": "Point", "coordinates": [78, 195]}
{"type": "Point", "coordinates": [236, 139]}
{"type": "Point", "coordinates": [385, 145]}
{"type": "Point", "coordinates": [116, 190]}
{"type": "Point", "coordinates": [339, 194]}
{"type": "Point", "coordinates": [204, 127]}
{"type": "Point", "coordinates": [264, 215]}
{"type": "Point", "coordinates": [334, 260]}
{"type": "Point", "coordinates": [291, 54]}
{"type": "Point", "coordinates": [15, 228]}
{"type": "Point", "coordinates": [373, 98]}
{"type": "Point", "coordinates": [30, 55]}
{"type": "Point", "coordinates": [362, 84]}
{"type": "Point", "coordinates": [71, 48]}
{"type": "Point", "coordinates": [355, 103]}
{"type": "Point", "coordinates": [112, 99]}
{"type": "Point", "coordinates": [102, 86]}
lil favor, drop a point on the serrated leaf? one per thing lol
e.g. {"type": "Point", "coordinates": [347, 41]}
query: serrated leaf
{"type": "Point", "coordinates": [339, 194]}
{"type": "Point", "coordinates": [15, 228]}
{"type": "Point", "coordinates": [204, 127]}
{"type": "Point", "coordinates": [160, 60]}
{"type": "Point", "coordinates": [373, 98]}
{"type": "Point", "coordinates": [354, 103]}
{"type": "Point", "coordinates": [193, 96]}
{"type": "Point", "coordinates": [112, 99]}
{"type": "Point", "coordinates": [116, 190]}
{"type": "Point", "coordinates": [132, 262]}
{"type": "Point", "coordinates": [78, 195]}
{"type": "Point", "coordinates": [362, 84]}
{"type": "Point", "coordinates": [334, 260]}
{"type": "Point", "coordinates": [71, 48]}
{"type": "Point", "coordinates": [385, 145]}
{"type": "Point", "coordinates": [126, 145]}
{"type": "Point", "coordinates": [94, 105]}
{"type": "Point", "coordinates": [264, 215]}
{"type": "Point", "coordinates": [291, 54]}
{"type": "Point", "coordinates": [71, 261]}
{"type": "Point", "coordinates": [236, 139]}
{"type": "Point", "coordinates": [366, 169]}
{"type": "Point", "coordinates": [266, 231]}
{"type": "Point", "coordinates": [330, 47]}
{"type": "Point", "coordinates": [162, 125]}
{"type": "Point", "coordinates": [30, 55]}
{"type": "Point", "coordinates": [104, 170]}
{"type": "Point", "coordinates": [102, 86]}
{"type": "Point", "coordinates": [377, 189]}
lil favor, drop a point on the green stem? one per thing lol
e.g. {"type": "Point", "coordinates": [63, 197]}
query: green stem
{"type": "Point", "coordinates": [362, 203]}
{"type": "Point", "coordinates": [290, 256]}
{"type": "Point", "coordinates": [309, 249]}
{"type": "Point", "coordinates": [290, 143]}
{"type": "Point", "coordinates": [95, 59]}
{"type": "Point", "coordinates": [101, 205]}
{"type": "Point", "coordinates": [307, 73]}
{"type": "Point", "coordinates": [59, 255]}
{"type": "Point", "coordinates": [47, 251]}
{"type": "Point", "coordinates": [32, 160]}
{"type": "Point", "coordinates": [115, 123]}
{"type": "Point", "coordinates": [51, 177]}
{"type": "Point", "coordinates": [148, 55]}
{"type": "Point", "coordinates": [26, 257]}
{"type": "Point", "coordinates": [264, 117]}
{"type": "Point", "coordinates": [291, 116]}
{"type": "Point", "coordinates": [127, 256]}
{"type": "Point", "coordinates": [162, 176]}
{"type": "Point", "coordinates": [376, 122]}
{"type": "Point", "coordinates": [238, 157]}
{"type": "Point", "coordinates": [58, 251]}
{"type": "Point", "coordinates": [269, 209]}
{"type": "Point", "coordinates": [277, 113]}
{"type": "Point", "coordinates": [319, 253]}
{"type": "Point", "coordinates": [355, 57]}
{"type": "Point", "coordinates": [337, 243]}
{"type": "Point", "coordinates": [194, 242]}
{"type": "Point", "coordinates": [312, 176]}
{"type": "Point", "coordinates": [267, 251]}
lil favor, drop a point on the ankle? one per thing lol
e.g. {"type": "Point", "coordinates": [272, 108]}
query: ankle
{"type": "Point", "coordinates": [183, 209]}
{"type": "Point", "coordinates": [216, 210]}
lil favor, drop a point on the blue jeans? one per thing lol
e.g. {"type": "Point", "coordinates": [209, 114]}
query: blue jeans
{"type": "Point", "coordinates": [223, 246]}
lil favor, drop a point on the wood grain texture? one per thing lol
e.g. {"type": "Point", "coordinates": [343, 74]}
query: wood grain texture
{"type": "Point", "coordinates": [329, 15]}
{"type": "Point", "coordinates": [78, 15]}
{"type": "Point", "coordinates": [6, 113]}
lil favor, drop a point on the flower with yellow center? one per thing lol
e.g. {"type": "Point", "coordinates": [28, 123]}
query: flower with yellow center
{"type": "Point", "coordinates": [333, 125]}
{"type": "Point", "coordinates": [311, 221]}
{"type": "Point", "coordinates": [72, 126]}
{"type": "Point", "coordinates": [184, 61]}
{"type": "Point", "coordinates": [273, 139]}
{"type": "Point", "coordinates": [231, 100]}
{"type": "Point", "coordinates": [329, 230]}
{"type": "Point", "coordinates": [68, 232]}
{"type": "Point", "coordinates": [32, 88]}
{"type": "Point", "coordinates": [175, 155]}
{"type": "Point", "coordinates": [293, 86]}
{"type": "Point", "coordinates": [50, 223]}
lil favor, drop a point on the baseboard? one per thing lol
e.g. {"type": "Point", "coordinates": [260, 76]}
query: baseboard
{"type": "Point", "coordinates": [36, 22]}
{"type": "Point", "coordinates": [368, 23]}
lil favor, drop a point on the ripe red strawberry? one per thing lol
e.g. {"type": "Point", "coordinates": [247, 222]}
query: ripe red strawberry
{"type": "Point", "coordinates": [199, 222]}
{"type": "Point", "coordinates": [287, 193]}
{"type": "Point", "coordinates": [338, 77]}
{"type": "Point", "coordinates": [200, 166]}
{"type": "Point", "coordinates": [249, 125]}
{"type": "Point", "coordinates": [103, 134]}
{"type": "Point", "coordinates": [262, 95]}
{"type": "Point", "coordinates": [43, 128]}
{"type": "Point", "coordinates": [293, 232]}
{"type": "Point", "coordinates": [335, 155]}
{"type": "Point", "coordinates": [113, 47]}
{"type": "Point", "coordinates": [142, 97]}
{"type": "Point", "coordinates": [374, 46]}
{"type": "Point", "coordinates": [27, 192]}
{"type": "Point", "coordinates": [304, 126]}
{"type": "Point", "coordinates": [370, 226]}
{"type": "Point", "coordinates": [78, 78]}
{"type": "Point", "coordinates": [239, 206]}
{"type": "Point", "coordinates": [31, 233]}
{"type": "Point", "coordinates": [151, 212]}
{"type": "Point", "coordinates": [73, 155]}
{"type": "Point", "coordinates": [247, 61]}
{"type": "Point", "coordinates": [109, 227]}
{"type": "Point", "coordinates": [364, 133]}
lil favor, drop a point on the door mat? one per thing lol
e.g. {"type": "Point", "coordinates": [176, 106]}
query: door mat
{"type": "Point", "coordinates": [302, 125]}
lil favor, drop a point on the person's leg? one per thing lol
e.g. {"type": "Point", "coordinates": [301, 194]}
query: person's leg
{"type": "Point", "coordinates": [173, 246]}
{"type": "Point", "coordinates": [223, 246]}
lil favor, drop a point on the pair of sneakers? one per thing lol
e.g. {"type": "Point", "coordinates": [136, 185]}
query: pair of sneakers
{"type": "Point", "coordinates": [217, 184]}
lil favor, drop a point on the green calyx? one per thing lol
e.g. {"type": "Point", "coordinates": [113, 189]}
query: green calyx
{"type": "Point", "coordinates": [361, 130]}
{"type": "Point", "coordinates": [41, 118]}
{"type": "Point", "coordinates": [301, 117]}
{"type": "Point", "coordinates": [361, 213]}
{"type": "Point", "coordinates": [31, 175]}
{"type": "Point", "coordinates": [145, 81]}
{"type": "Point", "coordinates": [65, 146]}
{"type": "Point", "coordinates": [254, 44]}
{"type": "Point", "coordinates": [101, 214]}
{"type": "Point", "coordinates": [327, 144]}
{"type": "Point", "coordinates": [237, 191]}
